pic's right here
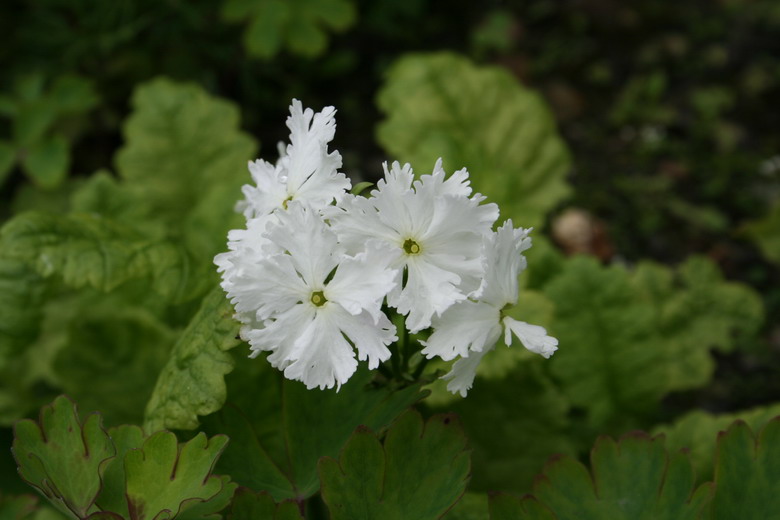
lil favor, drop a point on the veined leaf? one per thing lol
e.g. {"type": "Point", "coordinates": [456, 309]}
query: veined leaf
{"type": "Point", "coordinates": [275, 450]}
{"type": "Point", "coordinates": [628, 339]}
{"type": "Point", "coordinates": [163, 478]}
{"type": "Point", "coordinates": [514, 424]}
{"type": "Point", "coordinates": [186, 159]}
{"type": "Point", "coordinates": [747, 473]}
{"type": "Point", "coordinates": [697, 432]}
{"type": "Point", "coordinates": [63, 458]}
{"type": "Point", "coordinates": [86, 250]}
{"type": "Point", "coordinates": [192, 382]}
{"type": "Point", "coordinates": [632, 479]}
{"type": "Point", "coordinates": [419, 471]}
{"type": "Point", "coordinates": [480, 118]}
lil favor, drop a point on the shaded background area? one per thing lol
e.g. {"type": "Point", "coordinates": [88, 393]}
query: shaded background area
{"type": "Point", "coordinates": [668, 110]}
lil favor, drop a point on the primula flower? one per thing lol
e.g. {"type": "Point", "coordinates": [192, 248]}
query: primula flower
{"type": "Point", "coordinates": [432, 230]}
{"type": "Point", "coordinates": [306, 172]}
{"type": "Point", "coordinates": [316, 304]}
{"type": "Point", "coordinates": [471, 328]}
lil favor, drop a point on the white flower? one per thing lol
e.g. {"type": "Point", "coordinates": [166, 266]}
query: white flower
{"type": "Point", "coordinates": [306, 172]}
{"type": "Point", "coordinates": [432, 230]}
{"type": "Point", "coordinates": [313, 301]}
{"type": "Point", "coordinates": [471, 328]}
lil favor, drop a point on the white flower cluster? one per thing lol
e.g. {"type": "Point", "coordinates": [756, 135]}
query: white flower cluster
{"type": "Point", "coordinates": [310, 273]}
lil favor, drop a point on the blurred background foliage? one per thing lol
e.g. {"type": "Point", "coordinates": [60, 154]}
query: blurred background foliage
{"type": "Point", "coordinates": [644, 135]}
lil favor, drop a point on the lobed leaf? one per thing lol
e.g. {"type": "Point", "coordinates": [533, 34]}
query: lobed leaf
{"type": "Point", "coordinates": [697, 432]}
{"type": "Point", "coordinates": [192, 382]}
{"type": "Point", "coordinates": [163, 478]}
{"type": "Point", "coordinates": [61, 457]}
{"type": "Point", "coordinates": [747, 473]}
{"type": "Point", "coordinates": [275, 450]}
{"type": "Point", "coordinates": [480, 118]}
{"type": "Point", "coordinates": [299, 25]}
{"type": "Point", "coordinates": [633, 478]}
{"type": "Point", "coordinates": [513, 425]}
{"type": "Point", "coordinates": [419, 471]}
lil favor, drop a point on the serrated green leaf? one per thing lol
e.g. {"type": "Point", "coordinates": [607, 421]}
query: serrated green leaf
{"type": "Point", "coordinates": [297, 24]}
{"type": "Point", "coordinates": [192, 382]}
{"type": "Point", "coordinates": [186, 158]}
{"type": "Point", "coordinates": [62, 458]}
{"type": "Point", "coordinates": [697, 431]}
{"type": "Point", "coordinates": [7, 160]}
{"type": "Point", "coordinates": [514, 424]}
{"type": "Point", "coordinates": [632, 479]}
{"type": "Point", "coordinates": [248, 505]}
{"type": "Point", "coordinates": [288, 469]}
{"type": "Point", "coordinates": [419, 471]}
{"type": "Point", "coordinates": [747, 473]}
{"type": "Point", "coordinates": [46, 161]}
{"type": "Point", "coordinates": [480, 118]}
{"type": "Point", "coordinates": [165, 479]}
{"type": "Point", "coordinates": [765, 232]}
{"type": "Point", "coordinates": [628, 339]}
{"type": "Point", "coordinates": [87, 250]}
{"type": "Point", "coordinates": [17, 508]}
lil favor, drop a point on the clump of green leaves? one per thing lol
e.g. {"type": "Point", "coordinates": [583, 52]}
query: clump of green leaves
{"type": "Point", "coordinates": [87, 472]}
{"type": "Point", "coordinates": [38, 143]}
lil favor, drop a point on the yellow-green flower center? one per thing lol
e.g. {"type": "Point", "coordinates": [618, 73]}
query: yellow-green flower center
{"type": "Point", "coordinates": [288, 199]}
{"type": "Point", "coordinates": [411, 247]}
{"type": "Point", "coordinates": [318, 298]}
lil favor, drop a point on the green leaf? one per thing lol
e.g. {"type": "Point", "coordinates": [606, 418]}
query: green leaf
{"type": "Point", "coordinates": [765, 232]}
{"type": "Point", "coordinates": [275, 450]}
{"type": "Point", "coordinates": [248, 505]}
{"type": "Point", "coordinates": [747, 473]}
{"type": "Point", "coordinates": [186, 159]}
{"type": "Point", "coordinates": [192, 382]}
{"type": "Point", "coordinates": [118, 380]}
{"type": "Point", "coordinates": [7, 160]}
{"type": "Point", "coordinates": [632, 479]}
{"type": "Point", "coordinates": [298, 24]}
{"type": "Point", "coordinates": [87, 250]}
{"type": "Point", "coordinates": [514, 424]}
{"type": "Point", "coordinates": [73, 94]}
{"type": "Point", "coordinates": [480, 118]}
{"type": "Point", "coordinates": [508, 507]}
{"type": "Point", "coordinates": [17, 508]}
{"type": "Point", "coordinates": [47, 161]}
{"type": "Point", "coordinates": [697, 431]}
{"type": "Point", "coordinates": [163, 478]}
{"type": "Point", "coordinates": [113, 497]}
{"type": "Point", "coordinates": [628, 339]}
{"type": "Point", "coordinates": [419, 471]}
{"type": "Point", "coordinates": [471, 506]}
{"type": "Point", "coordinates": [33, 120]}
{"type": "Point", "coordinates": [62, 458]}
